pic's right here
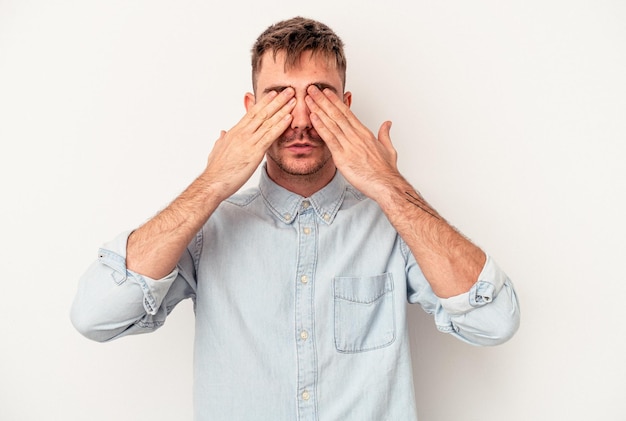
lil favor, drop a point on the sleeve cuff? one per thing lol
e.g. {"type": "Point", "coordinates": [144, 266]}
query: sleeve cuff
{"type": "Point", "coordinates": [113, 254]}
{"type": "Point", "coordinates": [490, 282]}
{"type": "Point", "coordinates": [154, 291]}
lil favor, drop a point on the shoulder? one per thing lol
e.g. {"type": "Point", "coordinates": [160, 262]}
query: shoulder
{"type": "Point", "coordinates": [243, 205]}
{"type": "Point", "coordinates": [243, 198]}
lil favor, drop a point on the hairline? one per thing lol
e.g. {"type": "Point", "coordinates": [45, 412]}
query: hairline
{"type": "Point", "coordinates": [296, 62]}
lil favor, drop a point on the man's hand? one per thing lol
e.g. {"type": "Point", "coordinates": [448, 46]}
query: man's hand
{"type": "Point", "coordinates": [238, 152]}
{"type": "Point", "coordinates": [368, 162]}
{"type": "Point", "coordinates": [154, 248]}
{"type": "Point", "coordinates": [450, 262]}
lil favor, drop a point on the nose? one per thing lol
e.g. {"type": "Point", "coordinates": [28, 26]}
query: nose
{"type": "Point", "coordinates": [301, 114]}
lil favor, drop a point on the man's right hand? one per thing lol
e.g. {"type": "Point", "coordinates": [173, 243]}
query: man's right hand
{"type": "Point", "coordinates": [239, 151]}
{"type": "Point", "coordinates": [155, 248]}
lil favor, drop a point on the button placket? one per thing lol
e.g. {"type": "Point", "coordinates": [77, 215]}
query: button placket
{"type": "Point", "coordinates": [305, 330]}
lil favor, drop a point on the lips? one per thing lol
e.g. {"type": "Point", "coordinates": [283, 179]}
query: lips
{"type": "Point", "coordinates": [300, 142]}
{"type": "Point", "coordinates": [301, 145]}
{"type": "Point", "coordinates": [301, 149]}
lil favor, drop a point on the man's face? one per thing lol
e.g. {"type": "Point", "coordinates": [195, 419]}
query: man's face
{"type": "Point", "coordinates": [299, 151]}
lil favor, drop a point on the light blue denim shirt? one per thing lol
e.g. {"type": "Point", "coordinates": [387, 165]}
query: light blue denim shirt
{"type": "Point", "coordinates": [300, 305]}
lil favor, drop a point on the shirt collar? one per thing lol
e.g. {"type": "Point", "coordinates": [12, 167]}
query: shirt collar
{"type": "Point", "coordinates": [286, 205]}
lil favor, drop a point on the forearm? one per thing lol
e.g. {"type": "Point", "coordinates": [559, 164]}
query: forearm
{"type": "Point", "coordinates": [450, 262]}
{"type": "Point", "coordinates": [155, 248]}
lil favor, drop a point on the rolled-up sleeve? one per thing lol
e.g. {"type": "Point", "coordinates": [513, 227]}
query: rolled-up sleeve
{"type": "Point", "coordinates": [113, 301]}
{"type": "Point", "coordinates": [488, 314]}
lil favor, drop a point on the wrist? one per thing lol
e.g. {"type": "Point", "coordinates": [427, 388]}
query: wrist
{"type": "Point", "coordinates": [211, 190]}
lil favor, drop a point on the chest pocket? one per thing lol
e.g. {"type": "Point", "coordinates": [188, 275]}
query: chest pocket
{"type": "Point", "coordinates": [364, 313]}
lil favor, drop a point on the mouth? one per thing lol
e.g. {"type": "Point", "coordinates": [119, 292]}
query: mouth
{"type": "Point", "coordinates": [300, 142]}
{"type": "Point", "coordinates": [300, 147]}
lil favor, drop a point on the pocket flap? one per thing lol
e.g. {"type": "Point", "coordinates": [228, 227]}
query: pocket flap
{"type": "Point", "coordinates": [363, 289]}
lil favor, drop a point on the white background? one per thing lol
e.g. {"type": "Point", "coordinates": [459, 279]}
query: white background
{"type": "Point", "coordinates": [509, 117]}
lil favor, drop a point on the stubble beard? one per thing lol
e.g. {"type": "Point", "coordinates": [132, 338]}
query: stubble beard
{"type": "Point", "coordinates": [296, 168]}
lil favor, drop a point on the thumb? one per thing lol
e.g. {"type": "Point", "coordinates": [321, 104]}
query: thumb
{"type": "Point", "coordinates": [383, 134]}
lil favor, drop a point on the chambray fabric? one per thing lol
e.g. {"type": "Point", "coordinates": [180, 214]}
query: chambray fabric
{"type": "Point", "coordinates": [300, 306]}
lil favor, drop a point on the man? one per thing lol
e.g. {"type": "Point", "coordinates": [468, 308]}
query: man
{"type": "Point", "coordinates": [300, 285]}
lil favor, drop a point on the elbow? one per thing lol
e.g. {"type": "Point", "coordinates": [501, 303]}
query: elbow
{"type": "Point", "coordinates": [511, 328]}
{"type": "Point", "coordinates": [502, 320]}
{"type": "Point", "coordinates": [505, 330]}
{"type": "Point", "coordinates": [86, 324]}
{"type": "Point", "coordinates": [500, 328]}
{"type": "Point", "coordinates": [509, 320]}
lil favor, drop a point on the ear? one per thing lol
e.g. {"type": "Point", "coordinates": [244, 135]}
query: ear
{"type": "Point", "coordinates": [249, 100]}
{"type": "Point", "coordinates": [347, 98]}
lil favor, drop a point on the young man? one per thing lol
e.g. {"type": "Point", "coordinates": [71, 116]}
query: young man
{"type": "Point", "coordinates": [300, 285]}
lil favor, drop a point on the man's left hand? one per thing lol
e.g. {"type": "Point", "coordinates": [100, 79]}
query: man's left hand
{"type": "Point", "coordinates": [368, 162]}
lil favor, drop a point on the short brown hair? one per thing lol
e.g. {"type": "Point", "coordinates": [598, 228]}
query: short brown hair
{"type": "Point", "coordinates": [295, 36]}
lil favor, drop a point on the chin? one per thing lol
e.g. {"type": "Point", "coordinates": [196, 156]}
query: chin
{"type": "Point", "coordinates": [296, 167]}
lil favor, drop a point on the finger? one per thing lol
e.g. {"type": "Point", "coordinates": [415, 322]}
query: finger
{"type": "Point", "coordinates": [270, 112]}
{"type": "Point", "coordinates": [333, 107]}
{"type": "Point", "coordinates": [337, 116]}
{"type": "Point", "coordinates": [327, 134]}
{"type": "Point", "coordinates": [276, 125]}
{"type": "Point", "coordinates": [267, 106]}
{"type": "Point", "coordinates": [324, 124]}
{"type": "Point", "coordinates": [383, 134]}
{"type": "Point", "coordinates": [385, 140]}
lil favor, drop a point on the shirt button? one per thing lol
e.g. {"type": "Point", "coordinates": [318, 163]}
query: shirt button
{"type": "Point", "coordinates": [306, 204]}
{"type": "Point", "coordinates": [306, 395]}
{"type": "Point", "coordinates": [326, 217]}
{"type": "Point", "coordinates": [304, 279]}
{"type": "Point", "coordinates": [307, 230]}
{"type": "Point", "coordinates": [287, 216]}
{"type": "Point", "coordinates": [304, 335]}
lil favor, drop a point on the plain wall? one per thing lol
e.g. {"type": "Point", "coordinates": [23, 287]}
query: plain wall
{"type": "Point", "coordinates": [509, 117]}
